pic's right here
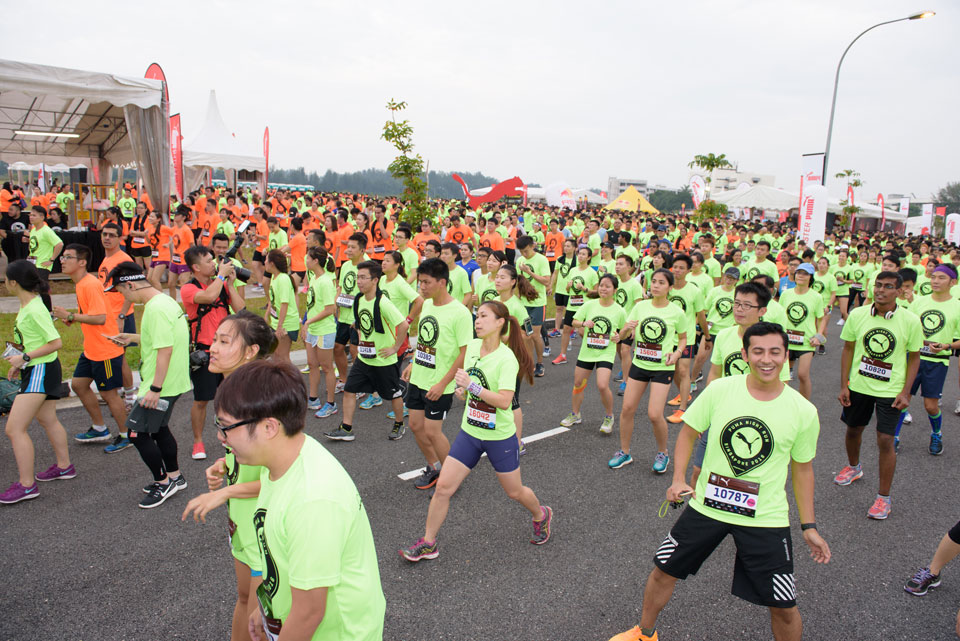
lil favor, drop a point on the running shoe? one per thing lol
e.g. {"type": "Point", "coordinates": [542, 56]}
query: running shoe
{"type": "Point", "coordinates": [93, 436]}
{"type": "Point", "coordinates": [371, 401]}
{"type": "Point", "coordinates": [936, 443]}
{"type": "Point", "coordinates": [421, 550]}
{"type": "Point", "coordinates": [181, 483]}
{"type": "Point", "coordinates": [541, 528]}
{"type": "Point", "coordinates": [606, 427]}
{"type": "Point", "coordinates": [119, 443]}
{"type": "Point", "coordinates": [554, 333]}
{"type": "Point", "coordinates": [620, 459]}
{"type": "Point", "coordinates": [908, 419]}
{"type": "Point", "coordinates": [879, 510]}
{"type": "Point", "coordinates": [199, 453]}
{"type": "Point", "coordinates": [54, 473]}
{"type": "Point", "coordinates": [428, 479]}
{"type": "Point", "coordinates": [16, 493]}
{"type": "Point", "coordinates": [546, 352]}
{"type": "Point", "coordinates": [159, 492]}
{"type": "Point", "coordinates": [896, 444]}
{"type": "Point", "coordinates": [313, 405]}
{"type": "Point", "coordinates": [622, 389]}
{"type": "Point", "coordinates": [559, 360]}
{"type": "Point", "coordinates": [634, 634]}
{"type": "Point", "coordinates": [538, 370]}
{"type": "Point", "coordinates": [699, 377]}
{"type": "Point", "coordinates": [619, 377]}
{"type": "Point", "coordinates": [339, 387]}
{"type": "Point", "coordinates": [660, 463]}
{"type": "Point", "coordinates": [676, 417]}
{"type": "Point", "coordinates": [693, 387]}
{"type": "Point", "coordinates": [406, 413]}
{"type": "Point", "coordinates": [523, 450]}
{"type": "Point", "coordinates": [956, 410]}
{"type": "Point", "coordinates": [822, 350]}
{"type": "Point", "coordinates": [305, 369]}
{"type": "Point", "coordinates": [397, 432]}
{"type": "Point", "coordinates": [675, 401]}
{"type": "Point", "coordinates": [340, 434]}
{"type": "Point", "coordinates": [571, 420]}
{"type": "Point", "coordinates": [149, 487]}
{"type": "Point", "coordinates": [328, 409]}
{"type": "Point", "coordinates": [848, 475]}
{"type": "Point", "coordinates": [840, 323]}
{"type": "Point", "coordinates": [922, 582]}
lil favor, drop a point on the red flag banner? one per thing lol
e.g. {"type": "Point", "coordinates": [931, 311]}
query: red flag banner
{"type": "Point", "coordinates": [883, 212]}
{"type": "Point", "coordinates": [176, 151]}
{"type": "Point", "coordinates": [941, 211]}
{"type": "Point", "coordinates": [266, 158]}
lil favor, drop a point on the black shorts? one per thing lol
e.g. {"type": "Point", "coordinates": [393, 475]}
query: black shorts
{"type": "Point", "coordinates": [794, 354]}
{"type": "Point", "coordinates": [762, 571]}
{"type": "Point", "coordinates": [258, 257]}
{"type": "Point", "coordinates": [561, 300]}
{"type": "Point", "coordinates": [954, 533]}
{"type": "Point", "coordinates": [650, 376]}
{"type": "Point", "coordinates": [568, 317]}
{"type": "Point", "coordinates": [384, 380]}
{"type": "Point", "coordinates": [861, 410]}
{"type": "Point", "coordinates": [690, 351]}
{"type": "Point", "coordinates": [106, 374]}
{"type": "Point", "coordinates": [205, 383]}
{"type": "Point", "coordinates": [599, 365]}
{"type": "Point", "coordinates": [141, 252]}
{"type": "Point", "coordinates": [300, 274]}
{"type": "Point", "coordinates": [43, 378]}
{"type": "Point", "coordinates": [416, 399]}
{"type": "Point", "coordinates": [347, 334]}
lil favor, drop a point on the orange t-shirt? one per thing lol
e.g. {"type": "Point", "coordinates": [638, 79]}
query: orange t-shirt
{"type": "Point", "coordinates": [115, 300]}
{"type": "Point", "coordinates": [379, 240]}
{"type": "Point", "coordinates": [92, 301]}
{"type": "Point", "coordinates": [459, 234]}
{"type": "Point", "coordinates": [421, 239]}
{"type": "Point", "coordinates": [263, 229]}
{"type": "Point", "coordinates": [298, 250]}
{"type": "Point", "coordinates": [160, 242]}
{"type": "Point", "coordinates": [208, 227]}
{"type": "Point", "coordinates": [553, 245]}
{"type": "Point", "coordinates": [512, 238]}
{"type": "Point", "coordinates": [182, 239]}
{"type": "Point", "coordinates": [139, 224]}
{"type": "Point", "coordinates": [493, 240]}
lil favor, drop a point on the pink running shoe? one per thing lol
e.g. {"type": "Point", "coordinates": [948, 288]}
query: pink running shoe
{"type": "Point", "coordinates": [848, 475]}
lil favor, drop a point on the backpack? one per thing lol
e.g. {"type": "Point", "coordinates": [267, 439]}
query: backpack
{"type": "Point", "coordinates": [8, 392]}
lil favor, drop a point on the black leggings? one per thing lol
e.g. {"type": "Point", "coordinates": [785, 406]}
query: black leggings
{"type": "Point", "coordinates": [158, 451]}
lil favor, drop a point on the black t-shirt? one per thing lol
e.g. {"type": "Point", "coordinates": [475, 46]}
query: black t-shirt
{"type": "Point", "coordinates": [12, 245]}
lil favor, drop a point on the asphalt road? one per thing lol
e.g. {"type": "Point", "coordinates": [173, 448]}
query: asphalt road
{"type": "Point", "coordinates": [83, 562]}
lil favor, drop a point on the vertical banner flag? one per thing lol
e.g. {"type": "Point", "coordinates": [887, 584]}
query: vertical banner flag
{"type": "Point", "coordinates": [813, 213]}
{"type": "Point", "coordinates": [850, 203]}
{"type": "Point", "coordinates": [926, 215]}
{"type": "Point", "coordinates": [952, 229]}
{"type": "Point", "coordinates": [266, 160]}
{"type": "Point", "coordinates": [905, 207]}
{"type": "Point", "coordinates": [941, 211]}
{"type": "Point", "coordinates": [176, 152]}
{"type": "Point", "coordinates": [883, 212]}
{"type": "Point", "coordinates": [154, 72]}
{"type": "Point", "coordinates": [698, 188]}
{"type": "Point", "coordinates": [42, 180]}
{"type": "Point", "coordinates": [811, 174]}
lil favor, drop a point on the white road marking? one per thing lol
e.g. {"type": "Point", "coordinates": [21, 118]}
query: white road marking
{"type": "Point", "coordinates": [412, 474]}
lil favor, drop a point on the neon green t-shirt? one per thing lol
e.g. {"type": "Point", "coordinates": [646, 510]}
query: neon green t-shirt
{"type": "Point", "coordinates": [348, 290]}
{"type": "Point", "coordinates": [127, 207]}
{"type": "Point", "coordinates": [485, 289]}
{"type": "Point", "coordinates": [399, 292]}
{"type": "Point", "coordinates": [727, 354]}
{"type": "Point", "coordinates": [541, 267]}
{"type": "Point", "coordinates": [940, 323]}
{"type": "Point", "coordinates": [719, 304]}
{"type": "Point", "coordinates": [42, 242]}
{"type": "Point", "coordinates": [628, 293]}
{"type": "Point", "coordinates": [276, 240]}
{"type": "Point", "coordinates": [598, 344]}
{"type": "Point", "coordinates": [281, 291]}
{"type": "Point", "coordinates": [751, 443]}
{"type": "Point", "coordinates": [802, 312]}
{"type": "Point", "coordinates": [411, 260]}
{"type": "Point", "coordinates": [841, 273]}
{"type": "Point", "coordinates": [496, 371]}
{"type": "Point", "coordinates": [657, 333]}
{"type": "Point", "coordinates": [442, 331]}
{"type": "Point", "coordinates": [579, 282]}
{"type": "Point", "coordinates": [226, 228]}
{"type": "Point", "coordinates": [691, 300]}
{"type": "Point", "coordinates": [826, 284]}
{"type": "Point", "coordinates": [775, 314]}
{"type": "Point", "coordinates": [320, 293]}
{"type": "Point", "coordinates": [594, 242]}
{"type": "Point", "coordinates": [765, 266]}
{"type": "Point", "coordinates": [372, 341]}
{"type": "Point", "coordinates": [607, 267]}
{"type": "Point", "coordinates": [34, 329]}
{"type": "Point", "coordinates": [879, 366]}
{"type": "Point", "coordinates": [243, 540]}
{"type": "Point", "coordinates": [459, 283]}
{"type": "Point", "coordinates": [314, 533]}
{"type": "Point", "coordinates": [164, 324]}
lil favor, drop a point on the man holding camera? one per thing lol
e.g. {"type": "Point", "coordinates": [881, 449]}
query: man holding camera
{"type": "Point", "coordinates": [207, 299]}
{"type": "Point", "coordinates": [221, 253]}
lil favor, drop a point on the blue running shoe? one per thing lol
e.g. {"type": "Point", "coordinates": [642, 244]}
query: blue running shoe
{"type": "Point", "coordinates": [314, 404]}
{"type": "Point", "coordinates": [120, 443]}
{"type": "Point", "coordinates": [406, 413]}
{"type": "Point", "coordinates": [371, 401]}
{"type": "Point", "coordinates": [936, 443]}
{"type": "Point", "coordinates": [660, 463]}
{"type": "Point", "coordinates": [620, 459]}
{"type": "Point", "coordinates": [622, 388]}
{"type": "Point", "coordinates": [93, 436]}
{"type": "Point", "coordinates": [328, 409]}
{"type": "Point", "coordinates": [619, 377]}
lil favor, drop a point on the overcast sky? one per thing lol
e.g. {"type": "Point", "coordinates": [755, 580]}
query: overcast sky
{"type": "Point", "coordinates": [560, 91]}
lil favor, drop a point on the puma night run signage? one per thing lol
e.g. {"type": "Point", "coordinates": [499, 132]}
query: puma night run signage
{"type": "Point", "coordinates": [747, 443]}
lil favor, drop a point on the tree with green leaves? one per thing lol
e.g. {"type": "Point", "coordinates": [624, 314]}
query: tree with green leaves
{"type": "Point", "coordinates": [850, 210]}
{"type": "Point", "coordinates": [949, 197]}
{"type": "Point", "coordinates": [708, 163]}
{"type": "Point", "coordinates": [709, 209]}
{"type": "Point", "coordinates": [407, 167]}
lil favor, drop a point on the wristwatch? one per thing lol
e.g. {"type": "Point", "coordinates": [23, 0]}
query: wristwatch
{"type": "Point", "coordinates": [121, 316]}
{"type": "Point", "coordinates": [26, 358]}
{"type": "Point", "coordinates": [70, 317]}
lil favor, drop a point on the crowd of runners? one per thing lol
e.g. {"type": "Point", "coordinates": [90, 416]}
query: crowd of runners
{"type": "Point", "coordinates": [717, 326]}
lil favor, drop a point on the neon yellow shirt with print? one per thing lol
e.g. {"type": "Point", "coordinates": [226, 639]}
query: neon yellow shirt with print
{"type": "Point", "coordinates": [727, 354]}
{"type": "Point", "coordinates": [42, 242]}
{"type": "Point", "coordinates": [655, 335]}
{"type": "Point", "coordinates": [411, 259]}
{"type": "Point", "coordinates": [517, 309]}
{"type": "Point", "coordinates": [598, 344]}
{"type": "Point", "coordinates": [496, 371]}
{"type": "Point", "coordinates": [372, 341]}
{"type": "Point", "coordinates": [802, 312]}
{"type": "Point", "coordinates": [594, 242]}
{"type": "Point", "coordinates": [879, 366]}
{"type": "Point", "coordinates": [826, 284]}
{"type": "Point", "coordinates": [33, 329]}
{"type": "Point", "coordinates": [754, 268]}
{"type": "Point", "coordinates": [940, 323]}
{"type": "Point", "coordinates": [751, 443]}
{"type": "Point", "coordinates": [314, 533]}
{"type": "Point", "coordinates": [243, 538]}
{"type": "Point", "coordinates": [459, 284]}
{"type": "Point", "coordinates": [485, 289]}
{"type": "Point", "coordinates": [320, 293]}
{"type": "Point", "coordinates": [690, 299]}
{"type": "Point", "coordinates": [628, 293]}
{"type": "Point", "coordinates": [719, 307]}
{"type": "Point", "coordinates": [775, 314]}
{"type": "Point", "coordinates": [701, 280]}
{"type": "Point", "coordinates": [164, 324]}
{"type": "Point", "coordinates": [442, 331]}
{"type": "Point", "coordinates": [281, 291]}
{"type": "Point", "coordinates": [348, 290]}
{"type": "Point", "coordinates": [541, 267]}
{"type": "Point", "coordinates": [563, 269]}
{"type": "Point", "coordinates": [579, 282]}
{"type": "Point", "coordinates": [226, 228]}
{"type": "Point", "coordinates": [399, 292]}
{"type": "Point", "coordinates": [276, 239]}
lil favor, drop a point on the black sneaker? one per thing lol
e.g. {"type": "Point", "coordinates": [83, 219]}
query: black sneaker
{"type": "Point", "coordinates": [149, 487]}
{"type": "Point", "coordinates": [538, 370]}
{"type": "Point", "coordinates": [181, 483]}
{"type": "Point", "coordinates": [399, 429]}
{"type": "Point", "coordinates": [340, 434]}
{"type": "Point", "coordinates": [821, 350]}
{"type": "Point", "coordinates": [158, 494]}
{"type": "Point", "coordinates": [428, 479]}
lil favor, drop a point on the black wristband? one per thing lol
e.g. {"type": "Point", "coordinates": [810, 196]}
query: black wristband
{"type": "Point", "coordinates": [154, 388]}
{"type": "Point", "coordinates": [808, 526]}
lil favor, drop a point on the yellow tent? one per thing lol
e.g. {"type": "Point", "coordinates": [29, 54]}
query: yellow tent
{"type": "Point", "coordinates": [632, 200]}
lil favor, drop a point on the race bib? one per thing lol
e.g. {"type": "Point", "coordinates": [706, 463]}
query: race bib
{"type": "Point", "coordinates": [481, 415]}
{"type": "Point", "coordinates": [367, 349]}
{"type": "Point", "coordinates": [795, 337]}
{"type": "Point", "coordinates": [576, 300]}
{"type": "Point", "coordinates": [344, 301]}
{"type": "Point", "coordinates": [551, 254]}
{"type": "Point", "coordinates": [273, 313]}
{"type": "Point", "coordinates": [378, 249]}
{"type": "Point", "coordinates": [206, 233]}
{"type": "Point", "coordinates": [926, 350]}
{"type": "Point", "coordinates": [597, 341]}
{"type": "Point", "coordinates": [177, 259]}
{"type": "Point", "coordinates": [32, 260]}
{"type": "Point", "coordinates": [271, 626]}
{"type": "Point", "coordinates": [732, 495]}
{"type": "Point", "coordinates": [155, 254]}
{"type": "Point", "coordinates": [875, 369]}
{"type": "Point", "coordinates": [426, 357]}
{"type": "Point", "coordinates": [649, 352]}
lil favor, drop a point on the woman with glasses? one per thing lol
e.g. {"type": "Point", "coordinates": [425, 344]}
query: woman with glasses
{"type": "Point", "coordinates": [240, 338]}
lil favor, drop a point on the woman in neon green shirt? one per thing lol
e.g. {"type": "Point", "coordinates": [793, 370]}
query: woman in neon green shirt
{"type": "Point", "coordinates": [512, 289]}
{"type": "Point", "coordinates": [320, 329]}
{"type": "Point", "coordinates": [35, 359]}
{"type": "Point", "coordinates": [487, 385]}
{"type": "Point", "coordinates": [240, 338]}
{"type": "Point", "coordinates": [281, 312]}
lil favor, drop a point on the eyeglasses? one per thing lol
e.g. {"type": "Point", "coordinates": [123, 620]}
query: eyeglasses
{"type": "Point", "coordinates": [741, 305]}
{"type": "Point", "coordinates": [109, 236]}
{"type": "Point", "coordinates": [885, 286]}
{"type": "Point", "coordinates": [226, 428]}
{"type": "Point", "coordinates": [65, 257]}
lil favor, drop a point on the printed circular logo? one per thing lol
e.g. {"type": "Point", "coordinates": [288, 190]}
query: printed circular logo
{"type": "Point", "coordinates": [753, 272]}
{"type": "Point", "coordinates": [34, 244]}
{"type": "Point", "coordinates": [858, 274]}
{"type": "Point", "coordinates": [925, 288]}
{"type": "Point", "coordinates": [879, 343]}
{"type": "Point", "coordinates": [349, 282]}
{"type": "Point", "coordinates": [271, 576]}
{"type": "Point", "coordinates": [312, 298]}
{"type": "Point", "coordinates": [723, 306]}
{"type": "Point", "coordinates": [273, 302]}
{"type": "Point", "coordinates": [489, 294]}
{"type": "Point", "coordinates": [734, 365]}
{"type": "Point", "coordinates": [429, 331]}
{"type": "Point", "coordinates": [458, 237]}
{"type": "Point", "coordinates": [565, 269]}
{"type": "Point", "coordinates": [365, 322]}
{"type": "Point", "coordinates": [932, 321]}
{"type": "Point", "coordinates": [18, 227]}
{"type": "Point", "coordinates": [679, 301]}
{"type": "Point", "coordinates": [747, 443]}
{"type": "Point", "coordinates": [578, 284]}
{"type": "Point", "coordinates": [478, 373]}
{"type": "Point", "coordinates": [621, 297]}
{"type": "Point", "coordinates": [601, 325]}
{"type": "Point", "coordinates": [817, 286]}
{"type": "Point", "coordinates": [653, 330]}
{"type": "Point", "coordinates": [797, 312]}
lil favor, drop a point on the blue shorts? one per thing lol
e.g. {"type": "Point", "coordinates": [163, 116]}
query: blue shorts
{"type": "Point", "coordinates": [504, 454]}
{"type": "Point", "coordinates": [536, 315]}
{"type": "Point", "coordinates": [130, 323]}
{"type": "Point", "coordinates": [108, 374]}
{"type": "Point", "coordinates": [930, 379]}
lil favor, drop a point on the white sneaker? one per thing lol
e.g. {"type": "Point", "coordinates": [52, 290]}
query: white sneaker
{"type": "Point", "coordinates": [956, 410]}
{"type": "Point", "coordinates": [907, 419]}
{"type": "Point", "coordinates": [840, 322]}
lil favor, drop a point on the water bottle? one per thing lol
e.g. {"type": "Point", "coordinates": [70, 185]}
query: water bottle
{"type": "Point", "coordinates": [163, 404]}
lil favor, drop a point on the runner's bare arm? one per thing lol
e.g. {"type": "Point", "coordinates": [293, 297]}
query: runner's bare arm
{"type": "Point", "coordinates": [307, 609]}
{"type": "Point", "coordinates": [681, 458]}
{"type": "Point", "coordinates": [802, 474]}
{"type": "Point", "coordinates": [913, 364]}
{"type": "Point", "coordinates": [846, 359]}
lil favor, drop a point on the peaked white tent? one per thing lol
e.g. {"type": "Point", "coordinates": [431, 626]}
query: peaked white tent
{"type": "Point", "coordinates": [765, 197]}
{"type": "Point", "coordinates": [214, 147]}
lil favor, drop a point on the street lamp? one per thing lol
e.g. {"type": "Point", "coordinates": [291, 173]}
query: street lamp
{"type": "Point", "coordinates": [836, 80]}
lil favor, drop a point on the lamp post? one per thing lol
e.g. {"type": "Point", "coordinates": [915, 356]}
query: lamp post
{"type": "Point", "coordinates": [836, 80]}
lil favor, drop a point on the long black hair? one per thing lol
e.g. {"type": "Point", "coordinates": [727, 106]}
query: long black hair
{"type": "Point", "coordinates": [25, 274]}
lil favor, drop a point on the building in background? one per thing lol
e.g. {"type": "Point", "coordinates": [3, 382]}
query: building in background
{"type": "Point", "coordinates": [728, 179]}
{"type": "Point", "coordinates": [616, 186]}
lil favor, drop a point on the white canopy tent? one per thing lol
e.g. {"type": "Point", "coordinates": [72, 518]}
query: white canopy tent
{"type": "Point", "coordinates": [771, 198]}
{"type": "Point", "coordinates": [66, 116]}
{"type": "Point", "coordinates": [214, 147]}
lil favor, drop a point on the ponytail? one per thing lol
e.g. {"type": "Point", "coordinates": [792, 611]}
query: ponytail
{"type": "Point", "coordinates": [398, 259]}
{"type": "Point", "coordinates": [514, 339]}
{"type": "Point", "coordinates": [27, 277]}
{"type": "Point", "coordinates": [523, 286]}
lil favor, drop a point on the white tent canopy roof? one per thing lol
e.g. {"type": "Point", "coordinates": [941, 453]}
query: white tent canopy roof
{"type": "Point", "coordinates": [765, 197]}
{"type": "Point", "coordinates": [214, 145]}
{"type": "Point", "coordinates": [63, 168]}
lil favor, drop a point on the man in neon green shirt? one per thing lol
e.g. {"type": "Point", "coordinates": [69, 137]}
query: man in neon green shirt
{"type": "Point", "coordinates": [127, 204]}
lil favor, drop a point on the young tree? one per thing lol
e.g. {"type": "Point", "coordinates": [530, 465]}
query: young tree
{"type": "Point", "coordinates": [407, 167]}
{"type": "Point", "coordinates": [850, 210]}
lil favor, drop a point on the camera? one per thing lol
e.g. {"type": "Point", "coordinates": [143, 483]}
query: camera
{"type": "Point", "coordinates": [238, 240]}
{"type": "Point", "coordinates": [198, 359]}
